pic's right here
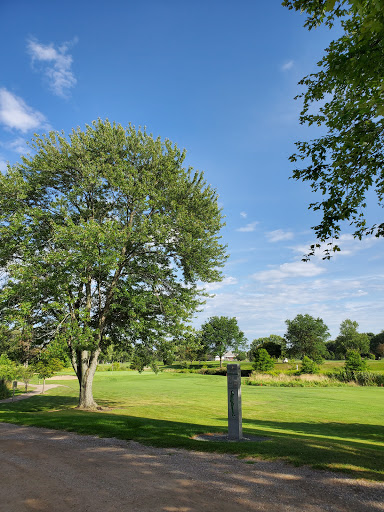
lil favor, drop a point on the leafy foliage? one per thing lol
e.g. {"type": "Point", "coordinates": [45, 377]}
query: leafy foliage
{"type": "Point", "coordinates": [354, 362]}
{"type": "Point", "coordinates": [190, 346]}
{"type": "Point", "coordinates": [377, 344]}
{"type": "Point", "coordinates": [309, 366]}
{"type": "Point", "coordinates": [275, 345]}
{"type": "Point", "coordinates": [47, 366]}
{"type": "Point", "coordinates": [350, 339]}
{"type": "Point", "coordinates": [105, 236]}
{"type": "Point", "coordinates": [218, 334]}
{"type": "Point", "coordinates": [347, 97]}
{"type": "Point", "coordinates": [9, 370]}
{"type": "Point", "coordinates": [263, 362]}
{"type": "Point", "coordinates": [306, 336]}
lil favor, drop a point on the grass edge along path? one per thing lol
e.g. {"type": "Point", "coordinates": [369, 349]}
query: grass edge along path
{"type": "Point", "coordinates": [338, 429]}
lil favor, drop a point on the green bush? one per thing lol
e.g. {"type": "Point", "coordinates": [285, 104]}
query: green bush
{"type": "Point", "coordinates": [263, 362]}
{"type": "Point", "coordinates": [9, 370]}
{"type": "Point", "coordinates": [353, 362]}
{"type": "Point", "coordinates": [308, 366]}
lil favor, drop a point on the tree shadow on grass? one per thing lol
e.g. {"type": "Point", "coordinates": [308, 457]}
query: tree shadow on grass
{"type": "Point", "coordinates": [336, 446]}
{"type": "Point", "coordinates": [357, 431]}
{"type": "Point", "coordinates": [347, 447]}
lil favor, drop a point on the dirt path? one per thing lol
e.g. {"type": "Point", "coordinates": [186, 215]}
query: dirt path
{"type": "Point", "coordinates": [38, 389]}
{"type": "Point", "coordinates": [53, 471]}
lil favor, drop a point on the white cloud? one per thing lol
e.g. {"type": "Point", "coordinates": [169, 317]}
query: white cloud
{"type": "Point", "coordinates": [278, 235]}
{"type": "Point", "coordinates": [16, 114]}
{"type": "Point", "coordinates": [248, 228]}
{"type": "Point", "coordinates": [287, 65]}
{"type": "Point", "coordinates": [243, 214]}
{"type": "Point", "coordinates": [288, 270]}
{"type": "Point", "coordinates": [209, 287]}
{"type": "Point", "coordinates": [261, 308]}
{"type": "Point", "coordinates": [57, 65]}
{"type": "Point", "coordinates": [18, 145]}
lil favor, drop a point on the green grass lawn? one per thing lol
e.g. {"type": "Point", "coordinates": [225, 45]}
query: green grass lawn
{"type": "Point", "coordinates": [331, 428]}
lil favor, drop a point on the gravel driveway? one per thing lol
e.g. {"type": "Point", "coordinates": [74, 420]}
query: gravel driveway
{"type": "Point", "coordinates": [53, 471]}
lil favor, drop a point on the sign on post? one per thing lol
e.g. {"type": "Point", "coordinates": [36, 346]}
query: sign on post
{"type": "Point", "coordinates": [235, 426]}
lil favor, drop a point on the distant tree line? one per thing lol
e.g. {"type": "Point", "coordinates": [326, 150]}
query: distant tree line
{"type": "Point", "coordinates": [307, 336]}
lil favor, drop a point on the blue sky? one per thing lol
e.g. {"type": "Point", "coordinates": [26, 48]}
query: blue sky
{"type": "Point", "coordinates": [218, 78]}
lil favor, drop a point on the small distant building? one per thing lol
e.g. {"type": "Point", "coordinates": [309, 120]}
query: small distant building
{"type": "Point", "coordinates": [228, 356]}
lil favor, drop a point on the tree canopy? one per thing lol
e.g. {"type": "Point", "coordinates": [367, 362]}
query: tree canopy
{"type": "Point", "coordinates": [346, 96]}
{"type": "Point", "coordinates": [306, 336]}
{"type": "Point", "coordinates": [105, 238]}
{"type": "Point", "coordinates": [273, 344]}
{"type": "Point", "coordinates": [350, 339]}
{"type": "Point", "coordinates": [262, 361]}
{"type": "Point", "coordinates": [221, 333]}
{"type": "Point", "coordinates": [377, 344]}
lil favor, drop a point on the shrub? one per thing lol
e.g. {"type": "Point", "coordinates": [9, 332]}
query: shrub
{"type": "Point", "coordinates": [364, 378]}
{"type": "Point", "coordinates": [263, 361]}
{"type": "Point", "coordinates": [9, 370]}
{"type": "Point", "coordinates": [309, 366]}
{"type": "Point", "coordinates": [318, 359]}
{"type": "Point", "coordinates": [353, 362]}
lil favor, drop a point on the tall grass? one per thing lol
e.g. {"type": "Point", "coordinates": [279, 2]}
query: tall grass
{"type": "Point", "coordinates": [297, 381]}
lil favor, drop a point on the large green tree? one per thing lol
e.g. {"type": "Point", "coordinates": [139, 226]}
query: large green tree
{"type": "Point", "coordinates": [350, 339]}
{"type": "Point", "coordinates": [221, 333]}
{"type": "Point", "coordinates": [306, 336]}
{"type": "Point", "coordinates": [105, 236]}
{"type": "Point", "coordinates": [346, 97]}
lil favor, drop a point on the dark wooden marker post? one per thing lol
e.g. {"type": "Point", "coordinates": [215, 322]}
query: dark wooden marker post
{"type": "Point", "coordinates": [235, 426]}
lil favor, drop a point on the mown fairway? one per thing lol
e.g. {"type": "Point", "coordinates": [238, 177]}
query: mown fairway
{"type": "Point", "coordinates": [334, 428]}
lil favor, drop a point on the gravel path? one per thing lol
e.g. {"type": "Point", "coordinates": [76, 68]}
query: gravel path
{"type": "Point", "coordinates": [38, 389]}
{"type": "Point", "coordinates": [53, 471]}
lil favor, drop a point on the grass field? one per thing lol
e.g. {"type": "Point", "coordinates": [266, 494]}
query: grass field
{"type": "Point", "coordinates": [331, 428]}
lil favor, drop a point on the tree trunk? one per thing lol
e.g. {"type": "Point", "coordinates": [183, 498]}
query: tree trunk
{"type": "Point", "coordinates": [85, 370]}
{"type": "Point", "coordinates": [220, 361]}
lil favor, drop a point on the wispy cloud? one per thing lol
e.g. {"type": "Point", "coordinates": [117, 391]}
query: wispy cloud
{"type": "Point", "coordinates": [261, 308]}
{"type": "Point", "coordinates": [287, 65]}
{"type": "Point", "coordinates": [288, 270]}
{"type": "Point", "coordinates": [249, 227]}
{"type": "Point", "coordinates": [17, 145]}
{"type": "Point", "coordinates": [56, 64]}
{"type": "Point", "coordinates": [229, 280]}
{"type": "Point", "coordinates": [16, 114]}
{"type": "Point", "coordinates": [278, 235]}
{"type": "Point", "coordinates": [244, 215]}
